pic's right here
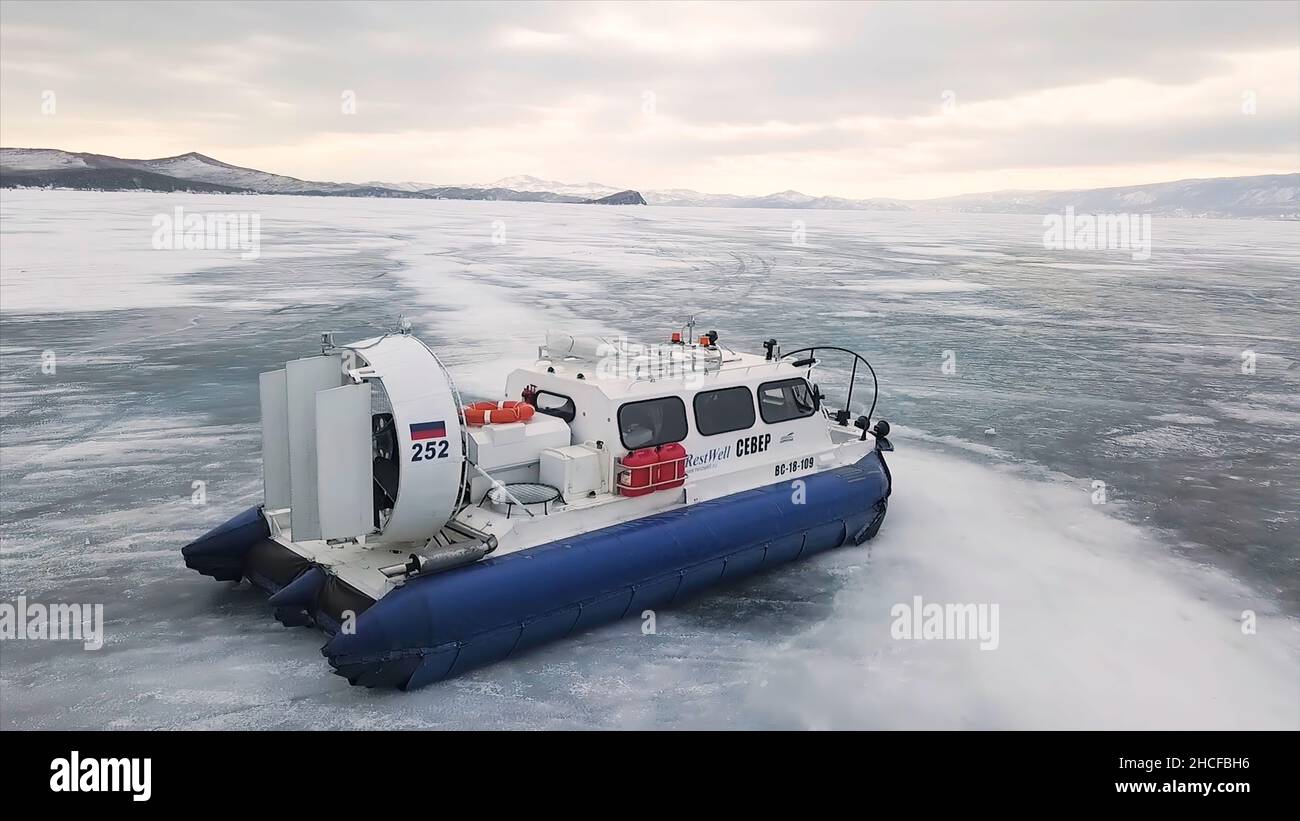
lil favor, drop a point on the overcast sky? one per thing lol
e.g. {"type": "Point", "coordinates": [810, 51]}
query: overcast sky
{"type": "Point", "coordinates": [859, 100]}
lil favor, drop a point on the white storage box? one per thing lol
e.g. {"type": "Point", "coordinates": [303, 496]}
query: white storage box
{"type": "Point", "coordinates": [494, 447]}
{"type": "Point", "coordinates": [574, 470]}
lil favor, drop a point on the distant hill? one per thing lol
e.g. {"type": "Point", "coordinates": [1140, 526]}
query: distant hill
{"type": "Point", "coordinates": [584, 190]}
{"type": "Point", "coordinates": [1266, 196]}
{"type": "Point", "coordinates": [505, 194]}
{"type": "Point", "coordinates": [46, 167]}
{"type": "Point", "coordinates": [684, 197]}
{"type": "Point", "coordinates": [109, 179]}
{"type": "Point", "coordinates": [187, 172]}
{"type": "Point", "coordinates": [1269, 195]}
{"type": "Point", "coordinates": [628, 197]}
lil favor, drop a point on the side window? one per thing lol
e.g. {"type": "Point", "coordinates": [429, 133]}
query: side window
{"type": "Point", "coordinates": [557, 405]}
{"type": "Point", "coordinates": [724, 411]}
{"type": "Point", "coordinates": [785, 400]}
{"type": "Point", "coordinates": [652, 422]}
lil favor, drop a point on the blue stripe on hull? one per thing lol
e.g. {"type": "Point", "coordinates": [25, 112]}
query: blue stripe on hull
{"type": "Point", "coordinates": [442, 625]}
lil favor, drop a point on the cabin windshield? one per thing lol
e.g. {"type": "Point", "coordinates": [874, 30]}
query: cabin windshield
{"type": "Point", "coordinates": [785, 400]}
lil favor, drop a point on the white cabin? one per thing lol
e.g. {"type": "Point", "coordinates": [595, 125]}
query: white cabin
{"type": "Point", "coordinates": [446, 492]}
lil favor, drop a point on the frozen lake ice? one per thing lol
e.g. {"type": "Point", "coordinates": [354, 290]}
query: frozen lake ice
{"type": "Point", "coordinates": [1089, 365]}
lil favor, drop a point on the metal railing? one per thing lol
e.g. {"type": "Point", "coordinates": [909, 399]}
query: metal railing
{"type": "Point", "coordinates": [620, 468]}
{"type": "Point", "coordinates": [853, 375]}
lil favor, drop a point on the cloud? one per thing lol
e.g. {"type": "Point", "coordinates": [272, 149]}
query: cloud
{"type": "Point", "coordinates": [839, 98]}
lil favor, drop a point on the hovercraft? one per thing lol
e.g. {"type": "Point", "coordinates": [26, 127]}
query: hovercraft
{"type": "Point", "coordinates": [427, 537]}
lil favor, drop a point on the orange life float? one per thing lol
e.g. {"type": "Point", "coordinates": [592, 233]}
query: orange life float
{"type": "Point", "coordinates": [498, 413]}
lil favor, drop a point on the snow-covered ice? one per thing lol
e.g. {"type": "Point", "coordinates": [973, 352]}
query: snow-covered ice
{"type": "Point", "coordinates": [1124, 614]}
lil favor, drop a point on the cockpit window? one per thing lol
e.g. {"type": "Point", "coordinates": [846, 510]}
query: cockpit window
{"type": "Point", "coordinates": [652, 422]}
{"type": "Point", "coordinates": [724, 410]}
{"type": "Point", "coordinates": [785, 400]}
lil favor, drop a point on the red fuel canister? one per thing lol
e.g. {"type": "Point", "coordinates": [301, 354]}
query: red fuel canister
{"type": "Point", "coordinates": [671, 470]}
{"type": "Point", "coordinates": [634, 479]}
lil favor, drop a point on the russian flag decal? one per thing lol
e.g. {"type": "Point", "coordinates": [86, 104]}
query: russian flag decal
{"type": "Point", "coordinates": [428, 430]}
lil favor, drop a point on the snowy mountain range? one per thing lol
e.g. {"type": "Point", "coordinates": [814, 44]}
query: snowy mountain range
{"type": "Point", "coordinates": [46, 167]}
{"type": "Point", "coordinates": [591, 190]}
{"type": "Point", "coordinates": [1266, 196]}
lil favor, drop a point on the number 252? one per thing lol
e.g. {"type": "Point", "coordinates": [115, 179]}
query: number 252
{"type": "Point", "coordinates": [420, 451]}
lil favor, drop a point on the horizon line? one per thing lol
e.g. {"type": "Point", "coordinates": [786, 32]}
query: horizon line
{"type": "Point", "coordinates": [486, 186]}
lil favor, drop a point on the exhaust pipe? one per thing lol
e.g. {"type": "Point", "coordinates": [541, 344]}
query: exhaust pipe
{"type": "Point", "coordinates": [458, 554]}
